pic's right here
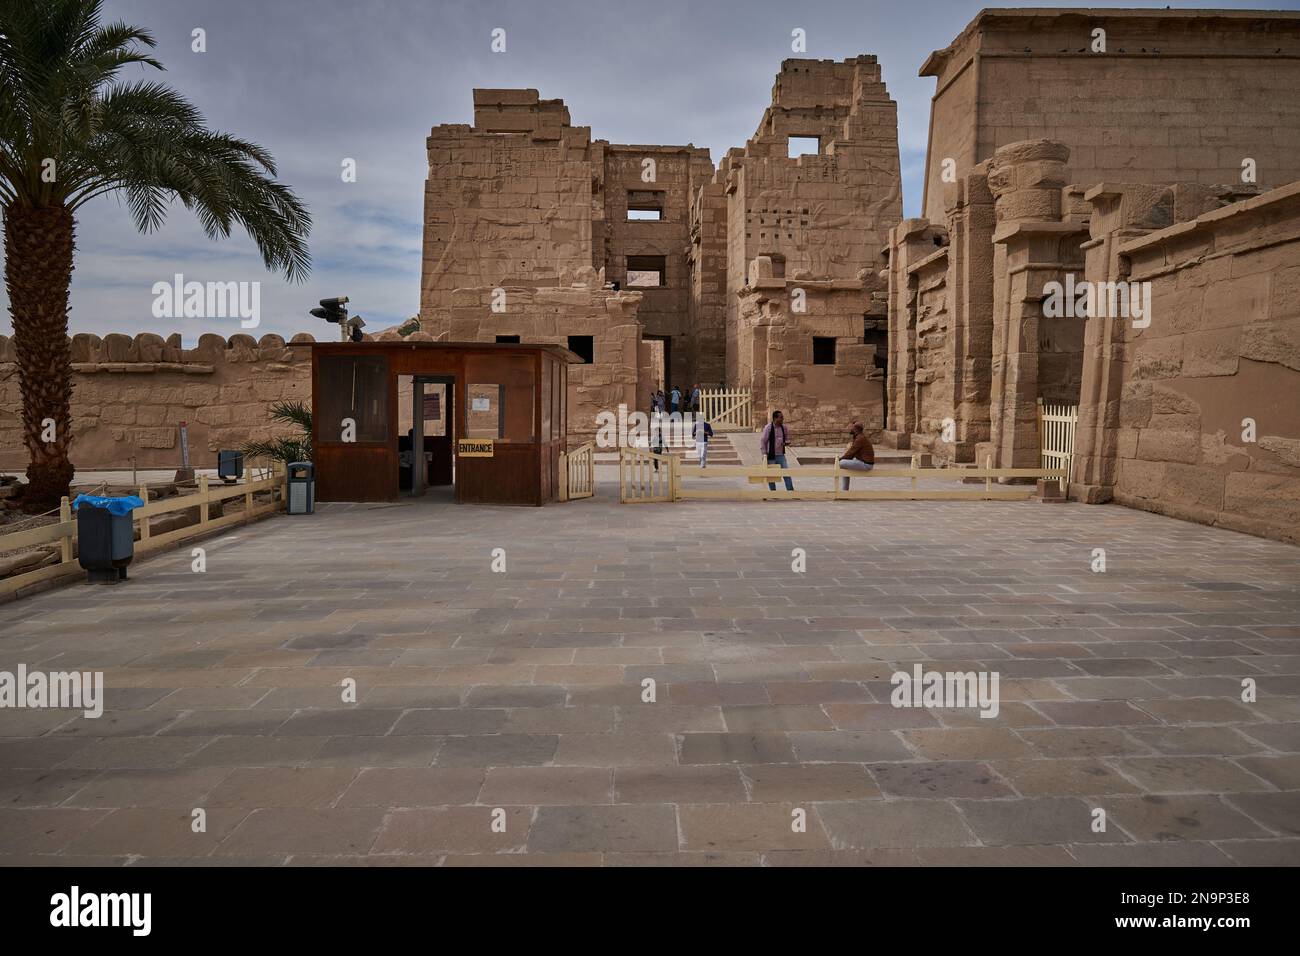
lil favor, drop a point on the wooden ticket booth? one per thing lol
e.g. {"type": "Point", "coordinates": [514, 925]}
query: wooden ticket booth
{"type": "Point", "coordinates": [487, 418]}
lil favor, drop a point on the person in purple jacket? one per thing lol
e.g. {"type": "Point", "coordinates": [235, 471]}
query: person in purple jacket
{"type": "Point", "coordinates": [773, 442]}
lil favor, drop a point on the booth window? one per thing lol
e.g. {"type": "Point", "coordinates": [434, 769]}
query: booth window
{"type": "Point", "coordinates": [485, 411]}
{"type": "Point", "coordinates": [353, 387]}
{"type": "Point", "coordinates": [499, 397]}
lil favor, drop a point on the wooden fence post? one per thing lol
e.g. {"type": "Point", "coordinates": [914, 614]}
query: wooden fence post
{"type": "Point", "coordinates": [144, 519]}
{"type": "Point", "coordinates": [203, 500]}
{"type": "Point", "coordinates": [988, 479]}
{"type": "Point", "coordinates": [65, 543]}
{"type": "Point", "coordinates": [563, 491]}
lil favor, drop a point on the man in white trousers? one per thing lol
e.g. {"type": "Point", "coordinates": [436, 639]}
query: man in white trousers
{"type": "Point", "coordinates": [702, 433]}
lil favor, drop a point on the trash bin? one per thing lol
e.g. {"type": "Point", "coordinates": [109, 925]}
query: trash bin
{"type": "Point", "coordinates": [105, 536]}
{"type": "Point", "coordinates": [230, 466]}
{"type": "Point", "coordinates": [302, 488]}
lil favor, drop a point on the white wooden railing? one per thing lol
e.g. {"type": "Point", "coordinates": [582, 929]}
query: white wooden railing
{"type": "Point", "coordinates": [1056, 427]}
{"type": "Point", "coordinates": [727, 408]}
{"type": "Point", "coordinates": [578, 472]}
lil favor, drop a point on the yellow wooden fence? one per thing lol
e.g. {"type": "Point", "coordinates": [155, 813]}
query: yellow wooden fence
{"type": "Point", "coordinates": [64, 531]}
{"type": "Point", "coordinates": [578, 472]}
{"type": "Point", "coordinates": [640, 482]}
{"type": "Point", "coordinates": [644, 476]}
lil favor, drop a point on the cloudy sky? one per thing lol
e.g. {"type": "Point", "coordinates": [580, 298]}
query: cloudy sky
{"type": "Point", "coordinates": [320, 81]}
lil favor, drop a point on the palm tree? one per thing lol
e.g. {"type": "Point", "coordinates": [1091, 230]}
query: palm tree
{"type": "Point", "coordinates": [70, 131]}
{"type": "Point", "coordinates": [290, 449]}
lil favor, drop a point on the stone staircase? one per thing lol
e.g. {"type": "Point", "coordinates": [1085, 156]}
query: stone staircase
{"type": "Point", "coordinates": [721, 452]}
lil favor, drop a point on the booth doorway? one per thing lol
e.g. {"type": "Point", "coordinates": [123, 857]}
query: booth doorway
{"type": "Point", "coordinates": [425, 434]}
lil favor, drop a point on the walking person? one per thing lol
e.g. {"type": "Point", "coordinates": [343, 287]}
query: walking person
{"type": "Point", "coordinates": [773, 441]}
{"type": "Point", "coordinates": [695, 398]}
{"type": "Point", "coordinates": [859, 456]}
{"type": "Point", "coordinates": [703, 432]}
{"type": "Point", "coordinates": [675, 401]}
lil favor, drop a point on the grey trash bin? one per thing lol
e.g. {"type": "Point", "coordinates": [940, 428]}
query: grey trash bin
{"type": "Point", "coordinates": [302, 488]}
{"type": "Point", "coordinates": [105, 541]}
{"type": "Point", "coordinates": [230, 466]}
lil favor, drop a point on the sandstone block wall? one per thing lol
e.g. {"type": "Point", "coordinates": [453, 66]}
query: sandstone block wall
{"type": "Point", "coordinates": [129, 396]}
{"type": "Point", "coordinates": [1163, 407]}
{"type": "Point", "coordinates": [523, 197]}
{"type": "Point", "coordinates": [775, 349]}
{"type": "Point", "coordinates": [817, 220]}
{"type": "Point", "coordinates": [508, 199]}
{"type": "Point", "coordinates": [1178, 96]}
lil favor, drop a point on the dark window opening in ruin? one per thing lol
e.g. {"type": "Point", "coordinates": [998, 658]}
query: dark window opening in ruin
{"type": "Point", "coordinates": [797, 146]}
{"type": "Point", "coordinates": [508, 339]}
{"type": "Point", "coordinates": [647, 272]}
{"type": "Point", "coordinates": [645, 205]}
{"type": "Point", "coordinates": [583, 346]}
{"type": "Point", "coordinates": [823, 350]}
{"type": "Point", "coordinates": [778, 264]}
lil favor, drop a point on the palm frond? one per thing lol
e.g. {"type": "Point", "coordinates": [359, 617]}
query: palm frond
{"type": "Point", "coordinates": [61, 100]}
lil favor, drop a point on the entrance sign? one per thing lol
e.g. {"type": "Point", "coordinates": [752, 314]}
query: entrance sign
{"type": "Point", "coordinates": [474, 448]}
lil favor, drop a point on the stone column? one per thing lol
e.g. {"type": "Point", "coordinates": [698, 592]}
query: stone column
{"type": "Point", "coordinates": [909, 242]}
{"type": "Point", "coordinates": [971, 224]}
{"type": "Point", "coordinates": [1026, 179]}
{"type": "Point", "coordinates": [1120, 212]}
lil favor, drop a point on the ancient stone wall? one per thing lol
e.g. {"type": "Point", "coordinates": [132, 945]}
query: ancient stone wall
{"type": "Point", "coordinates": [707, 264]}
{"type": "Point", "coordinates": [508, 199]}
{"type": "Point", "coordinates": [662, 179]}
{"type": "Point", "coordinates": [778, 320]}
{"type": "Point", "coordinates": [1165, 423]}
{"type": "Point", "coordinates": [1177, 96]}
{"type": "Point", "coordinates": [129, 396]}
{"type": "Point", "coordinates": [820, 220]}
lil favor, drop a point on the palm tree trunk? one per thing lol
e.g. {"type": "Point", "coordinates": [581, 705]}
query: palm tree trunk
{"type": "Point", "coordinates": [38, 249]}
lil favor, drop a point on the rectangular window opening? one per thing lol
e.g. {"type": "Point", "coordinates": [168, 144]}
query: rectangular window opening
{"type": "Point", "coordinates": [508, 339]}
{"type": "Point", "coordinates": [823, 350]}
{"type": "Point", "coordinates": [797, 146]}
{"type": "Point", "coordinates": [645, 205]}
{"type": "Point", "coordinates": [647, 272]}
{"type": "Point", "coordinates": [583, 346]}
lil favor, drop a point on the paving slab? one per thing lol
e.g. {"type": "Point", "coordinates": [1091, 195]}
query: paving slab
{"type": "Point", "coordinates": [360, 687]}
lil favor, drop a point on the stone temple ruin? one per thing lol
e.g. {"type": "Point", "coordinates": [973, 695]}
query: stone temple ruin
{"type": "Point", "coordinates": [1164, 163]}
{"type": "Point", "coordinates": [665, 271]}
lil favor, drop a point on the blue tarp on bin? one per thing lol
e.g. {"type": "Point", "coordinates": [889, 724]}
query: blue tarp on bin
{"type": "Point", "coordinates": [118, 506]}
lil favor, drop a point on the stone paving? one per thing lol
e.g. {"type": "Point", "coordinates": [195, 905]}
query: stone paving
{"type": "Point", "coordinates": [499, 716]}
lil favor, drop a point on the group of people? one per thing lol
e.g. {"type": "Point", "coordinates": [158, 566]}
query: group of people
{"type": "Point", "coordinates": [859, 456]}
{"type": "Point", "coordinates": [676, 401]}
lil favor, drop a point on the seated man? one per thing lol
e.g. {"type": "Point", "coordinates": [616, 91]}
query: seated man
{"type": "Point", "coordinates": [860, 455]}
